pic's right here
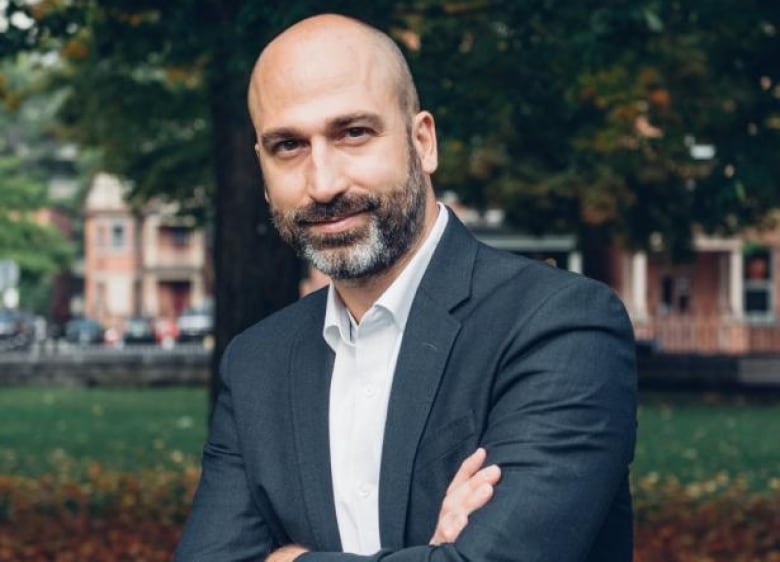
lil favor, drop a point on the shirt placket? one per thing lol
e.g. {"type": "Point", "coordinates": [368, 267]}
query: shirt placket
{"type": "Point", "coordinates": [371, 361]}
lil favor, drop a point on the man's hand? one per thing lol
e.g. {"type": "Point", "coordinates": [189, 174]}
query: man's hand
{"type": "Point", "coordinates": [471, 488]}
{"type": "Point", "coordinates": [286, 554]}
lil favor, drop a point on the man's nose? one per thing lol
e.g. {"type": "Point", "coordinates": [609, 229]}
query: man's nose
{"type": "Point", "coordinates": [325, 178]}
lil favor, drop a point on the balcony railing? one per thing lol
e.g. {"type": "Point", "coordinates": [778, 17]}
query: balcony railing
{"type": "Point", "coordinates": [709, 335]}
{"type": "Point", "coordinates": [189, 258]}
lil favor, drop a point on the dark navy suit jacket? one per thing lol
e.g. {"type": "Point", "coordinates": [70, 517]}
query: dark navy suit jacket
{"type": "Point", "coordinates": [534, 363]}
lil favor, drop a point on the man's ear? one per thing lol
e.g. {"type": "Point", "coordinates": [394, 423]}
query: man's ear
{"type": "Point", "coordinates": [424, 140]}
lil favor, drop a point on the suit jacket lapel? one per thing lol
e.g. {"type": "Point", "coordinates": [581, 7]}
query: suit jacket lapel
{"type": "Point", "coordinates": [311, 366]}
{"type": "Point", "coordinates": [428, 339]}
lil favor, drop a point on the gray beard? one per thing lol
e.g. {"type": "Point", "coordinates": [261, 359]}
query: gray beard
{"type": "Point", "coordinates": [396, 222]}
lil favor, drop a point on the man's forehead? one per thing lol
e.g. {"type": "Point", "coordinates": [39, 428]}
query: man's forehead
{"type": "Point", "coordinates": [327, 114]}
{"type": "Point", "coordinates": [326, 82]}
{"type": "Point", "coordinates": [320, 58]}
{"type": "Point", "coordinates": [317, 72]}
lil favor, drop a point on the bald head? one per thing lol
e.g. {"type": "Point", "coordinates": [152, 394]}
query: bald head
{"type": "Point", "coordinates": [335, 41]}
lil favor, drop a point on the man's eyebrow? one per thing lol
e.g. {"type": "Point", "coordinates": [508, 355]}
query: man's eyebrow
{"type": "Point", "coordinates": [341, 122]}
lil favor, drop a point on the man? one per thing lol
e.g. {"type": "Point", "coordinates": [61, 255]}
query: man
{"type": "Point", "coordinates": [343, 419]}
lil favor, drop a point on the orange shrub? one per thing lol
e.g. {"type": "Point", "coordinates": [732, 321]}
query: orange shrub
{"type": "Point", "coordinates": [120, 517]}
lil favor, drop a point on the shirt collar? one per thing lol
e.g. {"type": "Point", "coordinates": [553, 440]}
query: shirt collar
{"type": "Point", "coordinates": [397, 298]}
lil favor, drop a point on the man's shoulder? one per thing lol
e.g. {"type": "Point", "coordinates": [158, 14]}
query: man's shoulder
{"type": "Point", "coordinates": [495, 266]}
{"type": "Point", "coordinates": [466, 270]}
{"type": "Point", "coordinates": [501, 274]}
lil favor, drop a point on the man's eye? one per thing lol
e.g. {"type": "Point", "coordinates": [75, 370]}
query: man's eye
{"type": "Point", "coordinates": [286, 146]}
{"type": "Point", "coordinates": [356, 132]}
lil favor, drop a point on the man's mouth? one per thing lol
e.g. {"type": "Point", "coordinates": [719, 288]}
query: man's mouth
{"type": "Point", "coordinates": [339, 216]}
{"type": "Point", "coordinates": [326, 219]}
{"type": "Point", "coordinates": [334, 223]}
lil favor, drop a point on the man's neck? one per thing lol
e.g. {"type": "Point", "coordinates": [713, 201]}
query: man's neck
{"type": "Point", "coordinates": [358, 295]}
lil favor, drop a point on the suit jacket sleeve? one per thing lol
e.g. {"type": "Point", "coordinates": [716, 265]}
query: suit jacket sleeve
{"type": "Point", "coordinates": [562, 428]}
{"type": "Point", "coordinates": [224, 523]}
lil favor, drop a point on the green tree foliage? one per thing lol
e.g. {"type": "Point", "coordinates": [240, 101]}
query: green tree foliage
{"type": "Point", "coordinates": [26, 160]}
{"type": "Point", "coordinates": [577, 117]}
{"type": "Point", "coordinates": [37, 249]}
{"type": "Point", "coordinates": [583, 117]}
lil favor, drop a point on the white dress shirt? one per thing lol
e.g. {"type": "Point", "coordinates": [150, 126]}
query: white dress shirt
{"type": "Point", "coordinates": [366, 355]}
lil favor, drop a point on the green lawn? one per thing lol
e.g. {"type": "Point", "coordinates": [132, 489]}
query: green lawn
{"type": "Point", "coordinates": [710, 440]}
{"type": "Point", "coordinates": [702, 440]}
{"type": "Point", "coordinates": [63, 429]}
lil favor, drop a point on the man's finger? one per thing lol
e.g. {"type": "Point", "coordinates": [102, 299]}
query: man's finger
{"type": "Point", "coordinates": [471, 488]}
{"type": "Point", "coordinates": [449, 528]}
{"type": "Point", "coordinates": [472, 494]}
{"type": "Point", "coordinates": [468, 468]}
{"type": "Point", "coordinates": [478, 498]}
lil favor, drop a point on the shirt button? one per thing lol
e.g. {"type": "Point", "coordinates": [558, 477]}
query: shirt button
{"type": "Point", "coordinates": [364, 490]}
{"type": "Point", "coordinates": [369, 391]}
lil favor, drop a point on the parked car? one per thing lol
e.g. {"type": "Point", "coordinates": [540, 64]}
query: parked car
{"type": "Point", "coordinates": [139, 330]}
{"type": "Point", "coordinates": [84, 331]}
{"type": "Point", "coordinates": [195, 324]}
{"type": "Point", "coordinates": [17, 329]}
{"type": "Point", "coordinates": [166, 331]}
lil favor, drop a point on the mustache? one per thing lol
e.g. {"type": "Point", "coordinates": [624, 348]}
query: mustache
{"type": "Point", "coordinates": [339, 207]}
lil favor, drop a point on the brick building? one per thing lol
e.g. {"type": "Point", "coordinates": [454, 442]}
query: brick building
{"type": "Point", "coordinates": [148, 261]}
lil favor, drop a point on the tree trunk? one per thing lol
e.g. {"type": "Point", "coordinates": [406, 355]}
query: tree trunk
{"type": "Point", "coordinates": [255, 272]}
{"type": "Point", "coordinates": [595, 244]}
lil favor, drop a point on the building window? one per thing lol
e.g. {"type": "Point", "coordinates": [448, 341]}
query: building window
{"type": "Point", "coordinates": [675, 294]}
{"type": "Point", "coordinates": [758, 283]}
{"type": "Point", "coordinates": [175, 236]}
{"type": "Point", "coordinates": [118, 235]}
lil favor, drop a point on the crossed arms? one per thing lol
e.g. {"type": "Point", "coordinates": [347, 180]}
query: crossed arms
{"type": "Point", "coordinates": [471, 488]}
{"type": "Point", "coordinates": [561, 427]}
